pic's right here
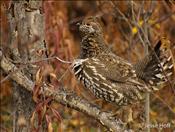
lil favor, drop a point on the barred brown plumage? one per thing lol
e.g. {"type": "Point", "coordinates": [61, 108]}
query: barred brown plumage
{"type": "Point", "coordinates": [156, 71]}
{"type": "Point", "coordinates": [112, 78]}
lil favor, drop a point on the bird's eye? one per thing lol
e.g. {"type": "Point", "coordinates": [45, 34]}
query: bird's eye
{"type": "Point", "coordinates": [88, 24]}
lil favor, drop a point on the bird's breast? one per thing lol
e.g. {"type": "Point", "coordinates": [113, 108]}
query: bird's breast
{"type": "Point", "coordinates": [93, 80]}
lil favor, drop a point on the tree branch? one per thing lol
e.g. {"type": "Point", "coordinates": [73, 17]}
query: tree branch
{"type": "Point", "coordinates": [64, 97]}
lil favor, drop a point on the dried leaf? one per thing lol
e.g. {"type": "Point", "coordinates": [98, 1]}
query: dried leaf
{"type": "Point", "coordinates": [38, 77]}
{"type": "Point", "coordinates": [50, 128]}
{"type": "Point", "coordinates": [36, 90]}
{"type": "Point", "coordinates": [32, 119]}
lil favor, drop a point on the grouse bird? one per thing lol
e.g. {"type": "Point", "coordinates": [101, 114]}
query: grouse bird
{"type": "Point", "coordinates": [112, 78]}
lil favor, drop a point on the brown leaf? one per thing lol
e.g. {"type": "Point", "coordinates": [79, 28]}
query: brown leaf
{"type": "Point", "coordinates": [50, 128]}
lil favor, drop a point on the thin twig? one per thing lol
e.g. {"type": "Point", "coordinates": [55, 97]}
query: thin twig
{"type": "Point", "coordinates": [147, 103]}
{"type": "Point", "coordinates": [165, 103]}
{"type": "Point", "coordinates": [32, 62]}
{"type": "Point", "coordinates": [63, 75]}
{"type": "Point", "coordinates": [163, 18]}
{"type": "Point", "coordinates": [140, 10]}
{"type": "Point", "coordinates": [121, 13]}
{"type": "Point", "coordinates": [44, 59]}
{"type": "Point", "coordinates": [63, 61]}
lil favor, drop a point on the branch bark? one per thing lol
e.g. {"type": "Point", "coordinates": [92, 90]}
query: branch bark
{"type": "Point", "coordinates": [64, 97]}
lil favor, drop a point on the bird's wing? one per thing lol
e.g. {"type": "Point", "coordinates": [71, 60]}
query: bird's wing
{"type": "Point", "coordinates": [114, 68]}
{"type": "Point", "coordinates": [119, 72]}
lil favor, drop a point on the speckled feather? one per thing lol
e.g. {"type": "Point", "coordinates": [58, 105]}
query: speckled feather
{"type": "Point", "coordinates": [110, 77]}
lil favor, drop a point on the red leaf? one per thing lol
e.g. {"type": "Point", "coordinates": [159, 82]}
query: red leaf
{"type": "Point", "coordinates": [48, 119]}
{"type": "Point", "coordinates": [56, 114]}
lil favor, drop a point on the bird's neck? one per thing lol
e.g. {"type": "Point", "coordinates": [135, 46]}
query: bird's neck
{"type": "Point", "coordinates": [92, 45]}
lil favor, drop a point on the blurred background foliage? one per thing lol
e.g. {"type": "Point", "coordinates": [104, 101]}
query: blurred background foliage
{"type": "Point", "coordinates": [63, 40]}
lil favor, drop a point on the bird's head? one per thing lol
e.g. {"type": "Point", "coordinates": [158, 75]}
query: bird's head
{"type": "Point", "coordinates": [90, 25]}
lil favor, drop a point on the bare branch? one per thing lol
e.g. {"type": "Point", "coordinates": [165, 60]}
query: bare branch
{"type": "Point", "coordinates": [66, 98]}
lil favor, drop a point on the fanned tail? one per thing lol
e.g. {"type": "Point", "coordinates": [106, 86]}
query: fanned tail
{"type": "Point", "coordinates": [156, 67]}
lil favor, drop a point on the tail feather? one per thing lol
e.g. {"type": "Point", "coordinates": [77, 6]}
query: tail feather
{"type": "Point", "coordinates": [156, 67]}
